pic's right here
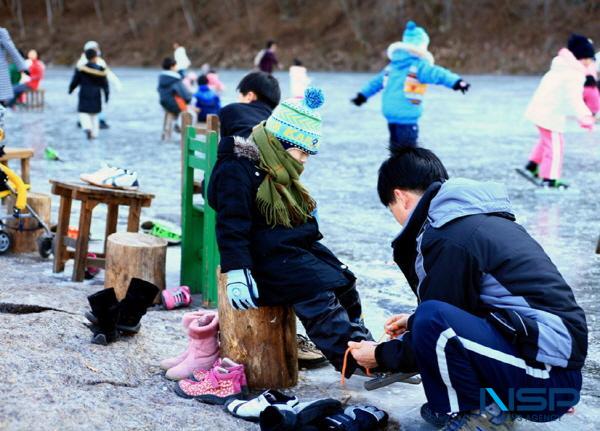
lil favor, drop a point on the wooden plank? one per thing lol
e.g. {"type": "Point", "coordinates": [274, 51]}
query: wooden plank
{"type": "Point", "coordinates": [60, 249]}
{"type": "Point", "coordinates": [96, 261]}
{"type": "Point", "coordinates": [197, 163]}
{"type": "Point", "coordinates": [112, 217]}
{"type": "Point", "coordinates": [16, 153]}
{"type": "Point", "coordinates": [81, 250]}
{"type": "Point", "coordinates": [101, 192]}
{"type": "Point", "coordinates": [133, 220]}
{"type": "Point", "coordinates": [197, 145]}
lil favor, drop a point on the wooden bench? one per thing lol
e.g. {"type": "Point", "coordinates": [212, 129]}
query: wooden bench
{"type": "Point", "coordinates": [90, 196]}
{"type": "Point", "coordinates": [34, 100]}
{"type": "Point", "coordinates": [22, 154]}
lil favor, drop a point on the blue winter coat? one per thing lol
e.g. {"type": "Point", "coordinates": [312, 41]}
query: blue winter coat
{"type": "Point", "coordinates": [462, 246]}
{"type": "Point", "coordinates": [403, 82]}
{"type": "Point", "coordinates": [170, 85]}
{"type": "Point", "coordinates": [207, 101]}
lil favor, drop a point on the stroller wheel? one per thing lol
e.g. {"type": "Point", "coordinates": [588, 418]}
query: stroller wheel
{"type": "Point", "coordinates": [44, 243]}
{"type": "Point", "coordinates": [5, 242]}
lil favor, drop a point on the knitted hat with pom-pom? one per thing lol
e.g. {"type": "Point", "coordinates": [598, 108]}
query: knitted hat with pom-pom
{"type": "Point", "coordinates": [415, 35]}
{"type": "Point", "coordinates": [296, 123]}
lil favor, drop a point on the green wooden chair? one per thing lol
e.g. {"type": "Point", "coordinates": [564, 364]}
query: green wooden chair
{"type": "Point", "coordinates": [199, 251]}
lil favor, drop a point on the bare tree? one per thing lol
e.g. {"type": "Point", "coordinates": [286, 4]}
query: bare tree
{"type": "Point", "coordinates": [130, 8]}
{"type": "Point", "coordinates": [352, 11]}
{"type": "Point", "coordinates": [98, 9]}
{"type": "Point", "coordinates": [17, 9]}
{"type": "Point", "coordinates": [188, 14]}
{"type": "Point", "coordinates": [49, 14]}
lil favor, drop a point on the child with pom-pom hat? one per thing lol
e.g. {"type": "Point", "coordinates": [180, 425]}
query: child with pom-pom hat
{"type": "Point", "coordinates": [268, 234]}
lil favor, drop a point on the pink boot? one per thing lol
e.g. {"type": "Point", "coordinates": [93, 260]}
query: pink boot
{"type": "Point", "coordinates": [203, 347]}
{"type": "Point", "coordinates": [187, 320]}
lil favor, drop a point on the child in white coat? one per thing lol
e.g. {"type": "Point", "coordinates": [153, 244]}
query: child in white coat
{"type": "Point", "coordinates": [558, 95]}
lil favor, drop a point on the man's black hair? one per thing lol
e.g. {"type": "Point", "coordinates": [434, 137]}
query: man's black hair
{"type": "Point", "coordinates": [413, 169]}
{"type": "Point", "coordinates": [90, 54]}
{"type": "Point", "coordinates": [270, 43]}
{"type": "Point", "coordinates": [265, 86]}
{"type": "Point", "coordinates": [297, 62]}
{"type": "Point", "coordinates": [168, 63]}
{"type": "Point", "coordinates": [202, 80]}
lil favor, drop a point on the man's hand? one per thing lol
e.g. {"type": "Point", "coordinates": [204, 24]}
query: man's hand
{"type": "Point", "coordinates": [364, 353]}
{"type": "Point", "coordinates": [396, 325]}
{"type": "Point", "coordinates": [241, 289]}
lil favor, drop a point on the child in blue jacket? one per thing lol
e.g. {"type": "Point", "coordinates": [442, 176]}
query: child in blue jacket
{"type": "Point", "coordinates": [207, 101]}
{"type": "Point", "coordinates": [404, 82]}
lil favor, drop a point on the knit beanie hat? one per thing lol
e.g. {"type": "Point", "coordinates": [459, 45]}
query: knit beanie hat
{"type": "Point", "coordinates": [581, 46]}
{"type": "Point", "coordinates": [415, 35]}
{"type": "Point", "coordinates": [295, 123]}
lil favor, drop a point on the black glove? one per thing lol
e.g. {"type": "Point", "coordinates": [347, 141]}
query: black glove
{"type": "Point", "coordinates": [359, 99]}
{"type": "Point", "coordinates": [462, 86]}
{"type": "Point", "coordinates": [26, 72]}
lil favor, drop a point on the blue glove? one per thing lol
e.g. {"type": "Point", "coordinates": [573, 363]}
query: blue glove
{"type": "Point", "coordinates": [241, 289]}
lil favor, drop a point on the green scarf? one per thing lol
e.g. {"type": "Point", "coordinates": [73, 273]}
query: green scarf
{"type": "Point", "coordinates": [281, 197]}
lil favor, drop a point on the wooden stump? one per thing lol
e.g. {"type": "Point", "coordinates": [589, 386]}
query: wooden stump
{"type": "Point", "coordinates": [264, 340]}
{"type": "Point", "coordinates": [131, 255]}
{"type": "Point", "coordinates": [25, 241]}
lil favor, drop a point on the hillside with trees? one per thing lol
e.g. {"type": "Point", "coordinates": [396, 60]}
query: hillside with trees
{"type": "Point", "coordinates": [519, 36]}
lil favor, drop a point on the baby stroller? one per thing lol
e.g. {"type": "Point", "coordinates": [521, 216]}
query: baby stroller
{"type": "Point", "coordinates": [12, 184]}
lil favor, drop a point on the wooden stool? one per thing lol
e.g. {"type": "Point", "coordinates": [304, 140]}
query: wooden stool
{"type": "Point", "coordinates": [264, 340]}
{"type": "Point", "coordinates": [129, 255]}
{"type": "Point", "coordinates": [22, 154]}
{"type": "Point", "coordinates": [90, 196]}
{"type": "Point", "coordinates": [25, 240]}
{"type": "Point", "coordinates": [169, 121]}
{"type": "Point", "coordinates": [34, 100]}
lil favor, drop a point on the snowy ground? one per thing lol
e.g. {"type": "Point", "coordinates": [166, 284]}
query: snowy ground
{"type": "Point", "coordinates": [481, 135]}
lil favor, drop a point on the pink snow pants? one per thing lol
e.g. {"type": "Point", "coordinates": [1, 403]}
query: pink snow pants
{"type": "Point", "coordinates": [548, 154]}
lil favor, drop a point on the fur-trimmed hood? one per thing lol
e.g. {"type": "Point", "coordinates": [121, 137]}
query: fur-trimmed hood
{"type": "Point", "coordinates": [238, 147]}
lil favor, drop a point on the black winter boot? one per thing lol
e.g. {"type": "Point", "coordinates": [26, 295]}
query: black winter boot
{"type": "Point", "coordinates": [105, 312]}
{"type": "Point", "coordinates": [139, 297]}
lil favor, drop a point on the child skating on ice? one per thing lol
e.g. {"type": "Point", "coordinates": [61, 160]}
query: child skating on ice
{"type": "Point", "coordinates": [559, 94]}
{"type": "Point", "coordinates": [404, 83]}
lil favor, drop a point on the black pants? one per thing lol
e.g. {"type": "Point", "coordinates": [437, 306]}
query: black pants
{"type": "Point", "coordinates": [331, 319]}
{"type": "Point", "coordinates": [403, 135]}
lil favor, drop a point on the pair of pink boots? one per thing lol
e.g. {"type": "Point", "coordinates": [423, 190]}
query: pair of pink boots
{"type": "Point", "coordinates": [202, 327]}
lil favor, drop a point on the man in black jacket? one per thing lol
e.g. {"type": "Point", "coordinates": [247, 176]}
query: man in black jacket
{"type": "Point", "coordinates": [495, 317]}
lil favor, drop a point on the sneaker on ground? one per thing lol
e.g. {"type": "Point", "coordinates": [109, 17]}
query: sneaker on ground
{"type": "Point", "coordinates": [308, 355]}
{"type": "Point", "coordinates": [228, 364]}
{"type": "Point", "coordinates": [111, 177]}
{"type": "Point", "coordinates": [176, 297]}
{"type": "Point", "coordinates": [490, 419]}
{"type": "Point", "coordinates": [251, 410]}
{"type": "Point", "coordinates": [218, 386]}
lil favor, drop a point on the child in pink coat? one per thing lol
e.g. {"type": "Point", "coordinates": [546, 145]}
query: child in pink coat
{"type": "Point", "coordinates": [558, 95]}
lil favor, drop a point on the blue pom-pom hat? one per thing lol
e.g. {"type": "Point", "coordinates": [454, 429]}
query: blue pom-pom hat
{"type": "Point", "coordinates": [415, 40]}
{"type": "Point", "coordinates": [296, 123]}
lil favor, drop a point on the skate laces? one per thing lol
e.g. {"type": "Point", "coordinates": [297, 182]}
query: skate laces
{"type": "Point", "coordinates": [180, 297]}
{"type": "Point", "coordinates": [345, 365]}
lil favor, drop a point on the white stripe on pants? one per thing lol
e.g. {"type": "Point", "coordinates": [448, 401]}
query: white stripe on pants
{"type": "Point", "coordinates": [90, 122]}
{"type": "Point", "coordinates": [480, 349]}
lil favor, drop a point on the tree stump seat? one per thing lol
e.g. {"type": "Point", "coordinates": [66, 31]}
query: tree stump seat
{"type": "Point", "coordinates": [264, 340]}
